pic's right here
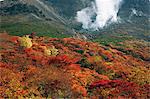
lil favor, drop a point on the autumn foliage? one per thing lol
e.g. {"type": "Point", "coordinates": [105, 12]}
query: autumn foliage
{"type": "Point", "coordinates": [69, 68]}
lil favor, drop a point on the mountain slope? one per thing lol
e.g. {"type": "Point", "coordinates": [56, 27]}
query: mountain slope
{"type": "Point", "coordinates": [58, 16]}
{"type": "Point", "coordinates": [48, 11]}
{"type": "Point", "coordinates": [43, 67]}
{"type": "Point", "coordinates": [33, 14]}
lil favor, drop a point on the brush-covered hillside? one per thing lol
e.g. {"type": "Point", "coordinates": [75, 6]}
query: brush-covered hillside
{"type": "Point", "coordinates": [44, 67]}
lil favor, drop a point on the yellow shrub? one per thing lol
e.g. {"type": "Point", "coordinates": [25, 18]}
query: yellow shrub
{"type": "Point", "coordinates": [51, 51]}
{"type": "Point", "coordinates": [25, 41]}
{"type": "Point", "coordinates": [139, 75]}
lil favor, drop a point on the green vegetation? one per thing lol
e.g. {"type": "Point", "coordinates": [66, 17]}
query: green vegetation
{"type": "Point", "coordinates": [106, 40]}
{"type": "Point", "coordinates": [22, 25]}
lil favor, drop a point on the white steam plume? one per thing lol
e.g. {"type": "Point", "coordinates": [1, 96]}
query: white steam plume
{"type": "Point", "coordinates": [99, 14]}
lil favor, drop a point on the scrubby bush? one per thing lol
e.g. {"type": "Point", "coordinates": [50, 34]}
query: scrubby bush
{"type": "Point", "coordinates": [25, 41]}
{"type": "Point", "coordinates": [51, 51]}
{"type": "Point", "coordinates": [39, 71]}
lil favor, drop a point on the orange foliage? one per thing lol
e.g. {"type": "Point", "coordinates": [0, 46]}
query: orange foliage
{"type": "Point", "coordinates": [81, 69]}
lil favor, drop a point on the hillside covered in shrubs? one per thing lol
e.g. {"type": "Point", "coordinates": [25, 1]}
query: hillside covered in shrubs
{"type": "Point", "coordinates": [43, 67]}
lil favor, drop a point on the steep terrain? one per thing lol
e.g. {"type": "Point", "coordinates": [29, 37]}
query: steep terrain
{"type": "Point", "coordinates": [45, 52]}
{"type": "Point", "coordinates": [35, 15]}
{"type": "Point", "coordinates": [58, 16]}
{"type": "Point", "coordinates": [44, 67]}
